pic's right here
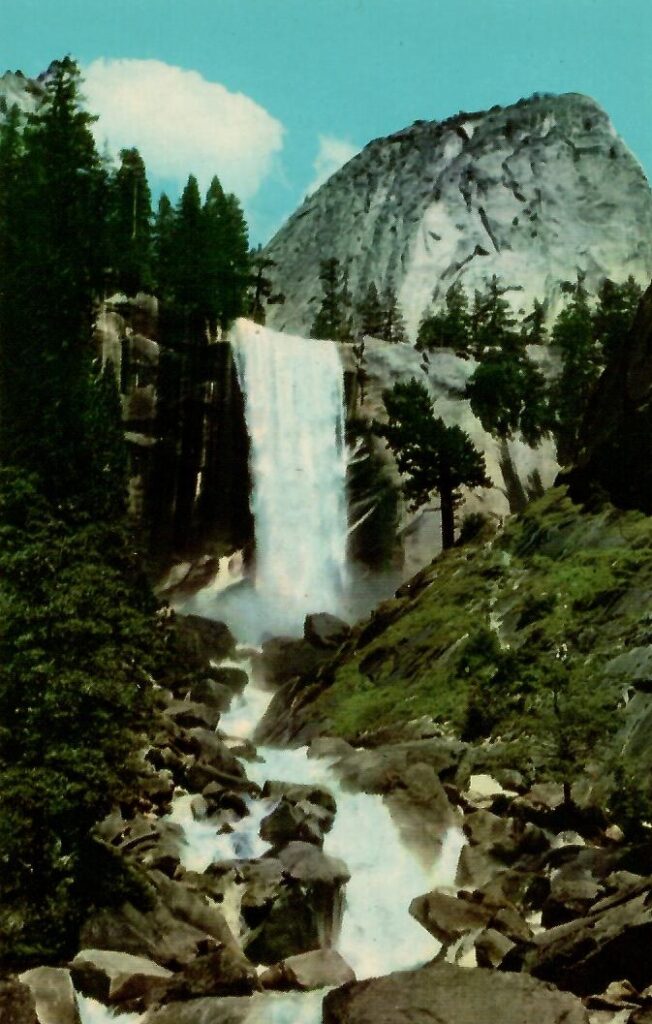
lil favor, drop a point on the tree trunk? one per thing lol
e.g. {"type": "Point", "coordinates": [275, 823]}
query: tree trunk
{"type": "Point", "coordinates": [447, 518]}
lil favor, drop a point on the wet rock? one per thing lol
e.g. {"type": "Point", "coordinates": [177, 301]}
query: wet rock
{"type": "Point", "coordinates": [188, 714]}
{"type": "Point", "coordinates": [309, 865]}
{"type": "Point", "coordinates": [214, 695]}
{"type": "Point", "coordinates": [197, 641]}
{"type": "Point", "coordinates": [505, 839]}
{"type": "Point", "coordinates": [491, 948]}
{"type": "Point", "coordinates": [446, 917]}
{"type": "Point", "coordinates": [324, 630]}
{"type": "Point", "coordinates": [285, 658]}
{"type": "Point", "coordinates": [296, 921]}
{"type": "Point", "coordinates": [295, 793]}
{"type": "Point", "coordinates": [609, 943]}
{"type": "Point", "coordinates": [329, 746]}
{"type": "Point", "coordinates": [317, 969]}
{"type": "Point", "coordinates": [420, 807]}
{"type": "Point", "coordinates": [381, 770]}
{"type": "Point", "coordinates": [223, 972]}
{"type": "Point", "coordinates": [211, 1010]}
{"type": "Point", "coordinates": [219, 799]}
{"type": "Point", "coordinates": [233, 679]}
{"type": "Point", "coordinates": [113, 977]}
{"type": "Point", "coordinates": [289, 822]}
{"type": "Point", "coordinates": [199, 807]}
{"type": "Point", "coordinates": [17, 1004]}
{"type": "Point", "coordinates": [573, 890]}
{"type": "Point", "coordinates": [180, 924]}
{"type": "Point", "coordinates": [451, 995]}
{"type": "Point", "coordinates": [54, 995]}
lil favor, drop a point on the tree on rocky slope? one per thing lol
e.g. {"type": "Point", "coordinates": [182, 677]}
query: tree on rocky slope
{"type": "Point", "coordinates": [449, 327]}
{"type": "Point", "coordinates": [333, 319]}
{"type": "Point", "coordinates": [129, 225]}
{"type": "Point", "coordinates": [508, 393]}
{"type": "Point", "coordinates": [431, 456]}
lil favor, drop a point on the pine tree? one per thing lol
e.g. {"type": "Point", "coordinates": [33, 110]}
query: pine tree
{"type": "Point", "coordinates": [260, 293]}
{"type": "Point", "coordinates": [492, 321]}
{"type": "Point", "coordinates": [129, 225]}
{"type": "Point", "coordinates": [189, 285]}
{"type": "Point", "coordinates": [449, 327]}
{"type": "Point", "coordinates": [164, 249]}
{"type": "Point", "coordinates": [431, 455]}
{"type": "Point", "coordinates": [572, 337]}
{"type": "Point", "coordinates": [334, 318]}
{"type": "Point", "coordinates": [371, 315]}
{"type": "Point", "coordinates": [236, 262]}
{"type": "Point", "coordinates": [614, 314]}
{"type": "Point", "coordinates": [533, 326]}
{"type": "Point", "coordinates": [393, 325]}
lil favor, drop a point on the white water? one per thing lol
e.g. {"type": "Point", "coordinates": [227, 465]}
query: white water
{"type": "Point", "coordinates": [294, 408]}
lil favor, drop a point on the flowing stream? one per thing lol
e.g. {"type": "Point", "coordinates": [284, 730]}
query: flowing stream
{"type": "Point", "coordinates": [294, 409]}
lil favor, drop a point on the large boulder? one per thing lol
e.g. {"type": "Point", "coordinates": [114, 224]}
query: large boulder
{"type": "Point", "coordinates": [610, 943]}
{"type": "Point", "coordinates": [289, 822]}
{"type": "Point", "coordinates": [317, 969]}
{"type": "Point", "coordinates": [54, 995]}
{"type": "Point", "coordinates": [285, 657]}
{"type": "Point", "coordinates": [113, 977]}
{"type": "Point", "coordinates": [181, 924]}
{"type": "Point", "coordinates": [198, 641]}
{"type": "Point", "coordinates": [324, 630]}
{"type": "Point", "coordinates": [222, 972]}
{"type": "Point", "coordinates": [451, 995]}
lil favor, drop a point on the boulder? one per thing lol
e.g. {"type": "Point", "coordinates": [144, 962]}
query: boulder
{"type": "Point", "coordinates": [188, 714]}
{"type": "Point", "coordinates": [420, 807]}
{"type": "Point", "coordinates": [180, 924]}
{"type": "Point", "coordinates": [324, 630]}
{"type": "Point", "coordinates": [285, 657]}
{"type": "Point", "coordinates": [17, 1005]}
{"type": "Point", "coordinates": [214, 1010]}
{"type": "Point", "coordinates": [289, 822]}
{"type": "Point", "coordinates": [198, 641]}
{"type": "Point", "coordinates": [491, 948]}
{"type": "Point", "coordinates": [451, 995]}
{"type": "Point", "coordinates": [610, 943]}
{"type": "Point", "coordinates": [573, 890]}
{"type": "Point", "coordinates": [296, 792]}
{"type": "Point", "coordinates": [309, 865]}
{"type": "Point", "coordinates": [233, 679]}
{"type": "Point", "coordinates": [214, 695]}
{"type": "Point", "coordinates": [113, 977]}
{"type": "Point", "coordinates": [54, 995]}
{"type": "Point", "coordinates": [222, 972]}
{"type": "Point", "coordinates": [317, 969]}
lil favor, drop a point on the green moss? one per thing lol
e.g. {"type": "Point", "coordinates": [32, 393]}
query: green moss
{"type": "Point", "coordinates": [510, 637]}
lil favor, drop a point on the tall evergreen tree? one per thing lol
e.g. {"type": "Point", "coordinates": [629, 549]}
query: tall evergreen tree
{"type": "Point", "coordinates": [189, 251]}
{"type": "Point", "coordinates": [572, 337]}
{"type": "Point", "coordinates": [614, 314]}
{"type": "Point", "coordinates": [235, 277]}
{"type": "Point", "coordinates": [449, 327]}
{"type": "Point", "coordinates": [431, 456]}
{"type": "Point", "coordinates": [164, 249]}
{"type": "Point", "coordinates": [371, 315]}
{"type": "Point", "coordinates": [393, 325]}
{"type": "Point", "coordinates": [333, 319]}
{"type": "Point", "coordinates": [260, 293]}
{"type": "Point", "coordinates": [533, 326]}
{"type": "Point", "coordinates": [130, 225]}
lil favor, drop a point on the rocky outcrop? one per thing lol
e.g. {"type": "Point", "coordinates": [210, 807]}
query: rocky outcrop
{"type": "Point", "coordinates": [532, 192]}
{"type": "Point", "coordinates": [54, 995]}
{"type": "Point", "coordinates": [451, 995]}
{"type": "Point", "coordinates": [113, 977]}
{"type": "Point", "coordinates": [317, 969]}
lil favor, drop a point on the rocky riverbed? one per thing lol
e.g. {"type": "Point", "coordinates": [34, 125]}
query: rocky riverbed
{"type": "Point", "coordinates": [464, 892]}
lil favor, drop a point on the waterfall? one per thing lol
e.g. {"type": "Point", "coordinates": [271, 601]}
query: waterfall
{"type": "Point", "coordinates": [294, 409]}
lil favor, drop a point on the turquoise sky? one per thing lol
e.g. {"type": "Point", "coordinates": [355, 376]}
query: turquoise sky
{"type": "Point", "coordinates": [344, 70]}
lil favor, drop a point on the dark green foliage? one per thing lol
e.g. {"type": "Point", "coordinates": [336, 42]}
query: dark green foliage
{"type": "Point", "coordinates": [371, 315]}
{"type": "Point", "coordinates": [508, 394]}
{"type": "Point", "coordinates": [393, 325]}
{"type": "Point", "coordinates": [129, 224]}
{"type": "Point", "coordinates": [51, 270]}
{"type": "Point", "coordinates": [614, 314]}
{"type": "Point", "coordinates": [333, 319]}
{"type": "Point", "coordinates": [429, 454]}
{"type": "Point", "coordinates": [164, 249]}
{"type": "Point", "coordinates": [573, 338]}
{"type": "Point", "coordinates": [493, 326]}
{"type": "Point", "coordinates": [533, 326]}
{"type": "Point", "coordinates": [450, 327]}
{"type": "Point", "coordinates": [189, 284]}
{"type": "Point", "coordinates": [77, 646]}
{"type": "Point", "coordinates": [260, 294]}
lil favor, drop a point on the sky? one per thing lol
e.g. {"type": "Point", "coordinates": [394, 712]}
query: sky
{"type": "Point", "coordinates": [274, 95]}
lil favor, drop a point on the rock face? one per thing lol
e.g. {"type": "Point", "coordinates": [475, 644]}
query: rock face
{"type": "Point", "coordinates": [451, 995]}
{"type": "Point", "coordinates": [531, 192]}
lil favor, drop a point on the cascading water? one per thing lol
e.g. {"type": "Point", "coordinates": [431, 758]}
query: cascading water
{"type": "Point", "coordinates": [294, 408]}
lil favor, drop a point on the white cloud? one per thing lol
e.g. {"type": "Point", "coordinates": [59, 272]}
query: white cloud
{"type": "Point", "coordinates": [332, 154]}
{"type": "Point", "coordinates": [182, 124]}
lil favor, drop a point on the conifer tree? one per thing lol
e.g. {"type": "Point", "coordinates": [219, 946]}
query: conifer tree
{"type": "Point", "coordinates": [572, 337]}
{"type": "Point", "coordinates": [614, 314]}
{"type": "Point", "coordinates": [449, 327]}
{"type": "Point", "coordinates": [129, 225]}
{"type": "Point", "coordinates": [371, 315]}
{"type": "Point", "coordinates": [493, 324]}
{"type": "Point", "coordinates": [533, 326]}
{"type": "Point", "coordinates": [433, 457]}
{"type": "Point", "coordinates": [260, 293]}
{"type": "Point", "coordinates": [333, 319]}
{"type": "Point", "coordinates": [164, 249]}
{"type": "Point", "coordinates": [235, 278]}
{"type": "Point", "coordinates": [393, 326]}
{"type": "Point", "coordinates": [189, 285]}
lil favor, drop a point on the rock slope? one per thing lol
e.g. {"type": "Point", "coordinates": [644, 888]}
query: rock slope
{"type": "Point", "coordinates": [531, 192]}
